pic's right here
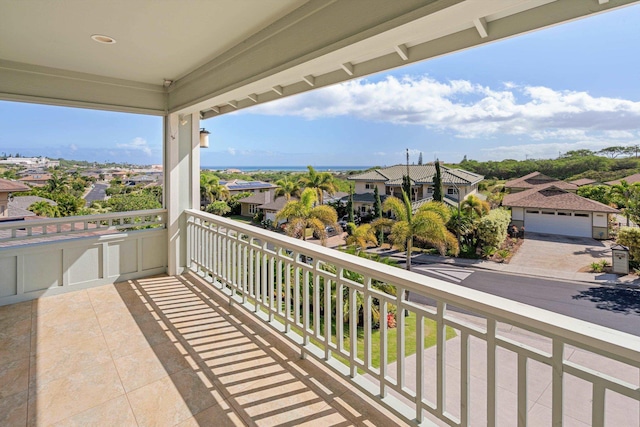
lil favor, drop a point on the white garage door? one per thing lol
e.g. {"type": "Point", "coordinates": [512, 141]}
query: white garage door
{"type": "Point", "coordinates": [565, 225]}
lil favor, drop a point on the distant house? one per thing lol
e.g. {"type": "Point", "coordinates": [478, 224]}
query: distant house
{"type": "Point", "coordinates": [584, 181]}
{"type": "Point", "coordinates": [7, 190]}
{"type": "Point", "coordinates": [551, 209]}
{"type": "Point", "coordinates": [19, 206]}
{"type": "Point", "coordinates": [535, 180]}
{"type": "Point", "coordinates": [631, 179]}
{"type": "Point", "coordinates": [238, 186]}
{"type": "Point", "coordinates": [389, 183]}
{"type": "Point", "coordinates": [249, 206]}
{"type": "Point", "coordinates": [37, 180]}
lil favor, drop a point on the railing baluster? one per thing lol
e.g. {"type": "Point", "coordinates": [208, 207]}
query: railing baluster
{"type": "Point", "coordinates": [287, 296]}
{"type": "Point", "coordinates": [400, 336]}
{"type": "Point", "coordinates": [367, 323]}
{"type": "Point", "coordinates": [557, 365]}
{"type": "Point", "coordinates": [419, 366]}
{"type": "Point", "coordinates": [465, 398]}
{"type": "Point", "coordinates": [597, 406]}
{"type": "Point", "coordinates": [327, 318]}
{"type": "Point", "coordinates": [353, 332]}
{"type": "Point", "coordinates": [522, 390]}
{"type": "Point", "coordinates": [441, 358]}
{"type": "Point", "coordinates": [383, 352]}
{"type": "Point", "coordinates": [339, 311]}
{"type": "Point", "coordinates": [491, 372]}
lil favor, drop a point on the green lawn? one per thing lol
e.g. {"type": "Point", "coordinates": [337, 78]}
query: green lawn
{"type": "Point", "coordinates": [240, 218]}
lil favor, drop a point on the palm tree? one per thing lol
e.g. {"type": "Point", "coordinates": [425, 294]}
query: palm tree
{"type": "Point", "coordinates": [301, 214]}
{"type": "Point", "coordinates": [474, 207]}
{"type": "Point", "coordinates": [319, 182]}
{"type": "Point", "coordinates": [622, 194]}
{"type": "Point", "coordinates": [287, 188]}
{"type": "Point", "coordinates": [362, 236]}
{"type": "Point", "coordinates": [428, 223]}
{"type": "Point", "coordinates": [211, 189]}
{"type": "Point", "coordinates": [57, 183]}
{"type": "Point", "coordinates": [44, 209]}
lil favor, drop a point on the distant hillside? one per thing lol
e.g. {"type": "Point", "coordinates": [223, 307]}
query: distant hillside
{"type": "Point", "coordinates": [568, 167]}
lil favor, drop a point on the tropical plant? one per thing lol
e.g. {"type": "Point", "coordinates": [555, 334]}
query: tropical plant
{"type": "Point", "coordinates": [362, 236]}
{"type": "Point", "coordinates": [219, 207]}
{"type": "Point", "coordinates": [57, 183]}
{"type": "Point", "coordinates": [211, 189]}
{"type": "Point", "coordinates": [474, 207]}
{"type": "Point", "coordinates": [287, 188]}
{"type": "Point", "coordinates": [302, 214]}
{"type": "Point", "coordinates": [45, 209]}
{"type": "Point", "coordinates": [319, 182]}
{"type": "Point", "coordinates": [492, 228]}
{"type": "Point", "coordinates": [428, 223]}
{"type": "Point", "coordinates": [622, 195]}
{"type": "Point", "coordinates": [377, 211]}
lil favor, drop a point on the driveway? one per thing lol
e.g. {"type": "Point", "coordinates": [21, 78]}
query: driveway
{"type": "Point", "coordinates": [560, 253]}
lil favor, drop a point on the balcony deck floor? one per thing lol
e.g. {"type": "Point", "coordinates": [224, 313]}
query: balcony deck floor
{"type": "Point", "coordinates": [162, 351]}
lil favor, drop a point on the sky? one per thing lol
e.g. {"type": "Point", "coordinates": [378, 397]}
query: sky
{"type": "Point", "coordinates": [569, 87]}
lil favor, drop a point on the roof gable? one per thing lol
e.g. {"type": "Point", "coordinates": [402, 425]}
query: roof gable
{"type": "Point", "coordinates": [420, 174]}
{"type": "Point", "coordinates": [554, 197]}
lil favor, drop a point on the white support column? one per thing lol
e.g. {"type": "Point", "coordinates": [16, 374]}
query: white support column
{"type": "Point", "coordinates": [181, 182]}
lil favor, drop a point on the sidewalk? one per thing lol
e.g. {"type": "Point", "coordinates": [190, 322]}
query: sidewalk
{"type": "Point", "coordinates": [599, 278]}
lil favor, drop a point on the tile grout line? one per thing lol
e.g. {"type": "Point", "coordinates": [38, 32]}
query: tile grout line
{"type": "Point", "coordinates": [126, 395]}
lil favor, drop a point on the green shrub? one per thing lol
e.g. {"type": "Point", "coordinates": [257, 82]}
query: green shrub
{"type": "Point", "coordinates": [492, 228]}
{"type": "Point", "coordinates": [597, 267]}
{"type": "Point", "coordinates": [630, 237]}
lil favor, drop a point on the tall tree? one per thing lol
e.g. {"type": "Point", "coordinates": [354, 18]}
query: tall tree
{"type": "Point", "coordinates": [474, 207]}
{"type": "Point", "coordinates": [350, 205]}
{"type": "Point", "coordinates": [420, 159]}
{"type": "Point", "coordinates": [319, 182]}
{"type": "Point", "coordinates": [377, 212]}
{"type": "Point", "coordinates": [406, 185]}
{"type": "Point", "coordinates": [427, 223]}
{"type": "Point", "coordinates": [362, 236]}
{"type": "Point", "coordinates": [287, 188]}
{"type": "Point", "coordinates": [622, 194]}
{"type": "Point", "coordinates": [437, 183]}
{"type": "Point", "coordinates": [302, 214]}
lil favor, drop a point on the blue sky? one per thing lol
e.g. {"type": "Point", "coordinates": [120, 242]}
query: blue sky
{"type": "Point", "coordinates": [568, 87]}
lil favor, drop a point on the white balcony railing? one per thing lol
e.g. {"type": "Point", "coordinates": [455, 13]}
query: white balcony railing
{"type": "Point", "coordinates": [309, 293]}
{"type": "Point", "coordinates": [52, 256]}
{"type": "Point", "coordinates": [52, 228]}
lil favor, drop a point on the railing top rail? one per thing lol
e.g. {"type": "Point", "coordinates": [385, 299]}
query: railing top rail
{"type": "Point", "coordinates": [618, 344]}
{"type": "Point", "coordinates": [9, 225]}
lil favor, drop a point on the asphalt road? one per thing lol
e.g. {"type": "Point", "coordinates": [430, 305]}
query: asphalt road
{"type": "Point", "coordinates": [613, 307]}
{"type": "Point", "coordinates": [97, 193]}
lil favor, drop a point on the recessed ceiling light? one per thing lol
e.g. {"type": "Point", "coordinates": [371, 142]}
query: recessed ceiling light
{"type": "Point", "coordinates": [103, 39]}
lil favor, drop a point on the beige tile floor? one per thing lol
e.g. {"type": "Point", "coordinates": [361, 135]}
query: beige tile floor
{"type": "Point", "coordinates": [163, 351]}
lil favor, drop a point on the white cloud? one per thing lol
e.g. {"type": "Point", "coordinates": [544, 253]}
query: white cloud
{"type": "Point", "coordinates": [468, 110]}
{"type": "Point", "coordinates": [231, 151]}
{"type": "Point", "coordinates": [138, 143]}
{"type": "Point", "coordinates": [546, 150]}
{"type": "Point", "coordinates": [73, 147]}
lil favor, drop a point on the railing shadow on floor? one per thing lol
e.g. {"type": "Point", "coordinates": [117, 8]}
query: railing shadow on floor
{"type": "Point", "coordinates": [238, 372]}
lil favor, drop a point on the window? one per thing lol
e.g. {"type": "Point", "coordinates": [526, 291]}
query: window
{"type": "Point", "coordinates": [253, 209]}
{"type": "Point", "coordinates": [452, 191]}
{"type": "Point", "coordinates": [548, 213]}
{"type": "Point", "coordinates": [363, 209]}
{"type": "Point", "coordinates": [429, 190]}
{"type": "Point", "coordinates": [584, 215]}
{"type": "Point", "coordinates": [564, 213]}
{"type": "Point", "coordinates": [369, 185]}
{"type": "Point", "coordinates": [532, 212]}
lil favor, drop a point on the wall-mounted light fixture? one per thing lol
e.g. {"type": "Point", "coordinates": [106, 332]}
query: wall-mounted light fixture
{"type": "Point", "coordinates": [204, 138]}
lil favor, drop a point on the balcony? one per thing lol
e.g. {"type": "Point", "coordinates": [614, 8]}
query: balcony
{"type": "Point", "coordinates": [255, 333]}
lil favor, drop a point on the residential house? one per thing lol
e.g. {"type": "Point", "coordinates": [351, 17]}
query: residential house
{"type": "Point", "coordinates": [238, 186]}
{"type": "Point", "coordinates": [36, 180]}
{"type": "Point", "coordinates": [534, 180]}
{"type": "Point", "coordinates": [200, 319]}
{"type": "Point", "coordinates": [584, 181]}
{"type": "Point", "coordinates": [631, 179]}
{"type": "Point", "coordinates": [7, 190]}
{"type": "Point", "coordinates": [552, 209]}
{"type": "Point", "coordinates": [389, 183]}
{"type": "Point", "coordinates": [250, 205]}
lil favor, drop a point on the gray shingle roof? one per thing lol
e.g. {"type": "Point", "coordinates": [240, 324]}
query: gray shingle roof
{"type": "Point", "coordinates": [420, 174]}
{"type": "Point", "coordinates": [631, 179]}
{"type": "Point", "coordinates": [7, 186]}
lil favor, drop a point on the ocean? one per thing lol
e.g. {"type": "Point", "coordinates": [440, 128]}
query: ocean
{"type": "Point", "coordinates": [286, 168]}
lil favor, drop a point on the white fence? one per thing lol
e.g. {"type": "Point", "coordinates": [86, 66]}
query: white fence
{"type": "Point", "coordinates": [51, 256]}
{"type": "Point", "coordinates": [311, 294]}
